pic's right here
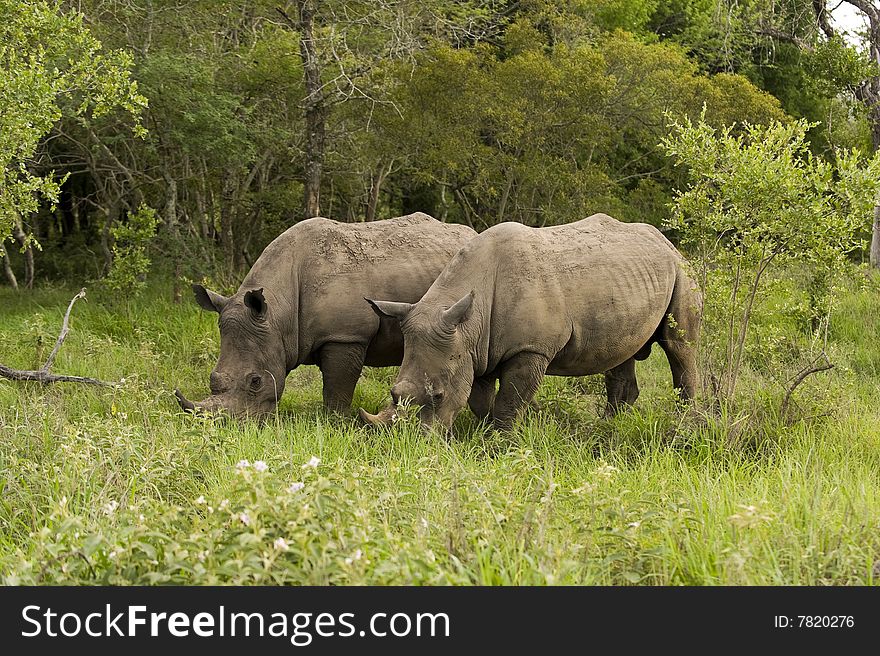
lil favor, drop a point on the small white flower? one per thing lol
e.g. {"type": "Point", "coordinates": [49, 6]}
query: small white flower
{"type": "Point", "coordinates": [224, 504]}
{"type": "Point", "coordinates": [357, 555]}
{"type": "Point", "coordinates": [296, 487]}
{"type": "Point", "coordinates": [112, 555]}
{"type": "Point", "coordinates": [245, 519]}
{"type": "Point", "coordinates": [281, 544]}
{"type": "Point", "coordinates": [313, 463]}
{"type": "Point", "coordinates": [141, 518]}
{"type": "Point", "coordinates": [202, 555]}
{"type": "Point", "coordinates": [201, 500]}
{"type": "Point", "coordinates": [260, 466]}
{"type": "Point", "coordinates": [242, 464]}
{"type": "Point", "coordinates": [606, 471]}
{"type": "Point", "coordinates": [110, 507]}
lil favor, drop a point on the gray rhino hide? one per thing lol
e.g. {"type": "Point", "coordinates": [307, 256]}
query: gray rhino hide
{"type": "Point", "coordinates": [516, 303]}
{"type": "Point", "coordinates": [303, 303]}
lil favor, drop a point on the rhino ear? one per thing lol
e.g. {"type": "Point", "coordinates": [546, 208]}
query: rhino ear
{"type": "Point", "coordinates": [390, 309]}
{"type": "Point", "coordinates": [208, 300]}
{"type": "Point", "coordinates": [460, 312]}
{"type": "Point", "coordinates": [255, 300]}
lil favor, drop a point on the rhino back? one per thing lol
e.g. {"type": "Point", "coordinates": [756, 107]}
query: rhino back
{"type": "Point", "coordinates": [326, 268]}
{"type": "Point", "coordinates": [587, 295]}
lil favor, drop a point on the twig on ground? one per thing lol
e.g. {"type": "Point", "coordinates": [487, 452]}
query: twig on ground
{"type": "Point", "coordinates": [43, 374]}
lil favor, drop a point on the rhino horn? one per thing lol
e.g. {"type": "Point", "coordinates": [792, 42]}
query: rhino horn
{"type": "Point", "coordinates": [385, 417]}
{"type": "Point", "coordinates": [211, 404]}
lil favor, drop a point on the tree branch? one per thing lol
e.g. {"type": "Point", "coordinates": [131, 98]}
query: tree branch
{"type": "Point", "coordinates": [43, 375]}
{"type": "Point", "coordinates": [807, 371]}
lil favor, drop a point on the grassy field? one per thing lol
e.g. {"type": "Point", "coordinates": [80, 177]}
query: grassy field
{"type": "Point", "coordinates": [103, 485]}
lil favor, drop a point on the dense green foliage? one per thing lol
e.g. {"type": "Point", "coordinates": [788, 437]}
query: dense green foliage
{"type": "Point", "coordinates": [537, 111]}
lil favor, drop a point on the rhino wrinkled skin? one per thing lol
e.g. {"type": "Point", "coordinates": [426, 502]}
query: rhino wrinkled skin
{"type": "Point", "coordinates": [516, 303]}
{"type": "Point", "coordinates": [303, 303]}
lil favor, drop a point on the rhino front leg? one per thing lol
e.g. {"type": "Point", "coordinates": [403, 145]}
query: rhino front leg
{"type": "Point", "coordinates": [482, 396]}
{"type": "Point", "coordinates": [520, 377]}
{"type": "Point", "coordinates": [341, 366]}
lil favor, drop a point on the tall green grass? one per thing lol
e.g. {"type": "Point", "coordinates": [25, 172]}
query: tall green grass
{"type": "Point", "coordinates": [117, 486]}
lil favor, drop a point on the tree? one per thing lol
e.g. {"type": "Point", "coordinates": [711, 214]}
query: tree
{"type": "Point", "coordinates": [757, 200]}
{"type": "Point", "coordinates": [51, 65]}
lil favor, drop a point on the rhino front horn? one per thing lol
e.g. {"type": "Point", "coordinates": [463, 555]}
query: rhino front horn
{"type": "Point", "coordinates": [384, 417]}
{"type": "Point", "coordinates": [185, 403]}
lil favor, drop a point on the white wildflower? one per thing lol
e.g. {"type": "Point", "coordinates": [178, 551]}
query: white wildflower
{"type": "Point", "coordinates": [296, 487]}
{"type": "Point", "coordinates": [224, 504]}
{"type": "Point", "coordinates": [241, 465]}
{"type": "Point", "coordinates": [357, 555]}
{"type": "Point", "coordinates": [281, 544]}
{"type": "Point", "coordinates": [260, 466]}
{"type": "Point", "coordinates": [110, 507]}
{"type": "Point", "coordinates": [313, 463]}
{"type": "Point", "coordinates": [245, 519]}
{"type": "Point", "coordinates": [201, 500]}
{"type": "Point", "coordinates": [606, 471]}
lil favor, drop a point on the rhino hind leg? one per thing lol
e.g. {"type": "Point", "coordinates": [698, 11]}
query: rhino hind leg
{"type": "Point", "coordinates": [679, 334]}
{"type": "Point", "coordinates": [482, 397]}
{"type": "Point", "coordinates": [341, 366]}
{"type": "Point", "coordinates": [520, 377]}
{"type": "Point", "coordinates": [621, 386]}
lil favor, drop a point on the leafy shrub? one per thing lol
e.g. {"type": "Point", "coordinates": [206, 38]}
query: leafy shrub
{"type": "Point", "coordinates": [130, 261]}
{"type": "Point", "coordinates": [760, 201]}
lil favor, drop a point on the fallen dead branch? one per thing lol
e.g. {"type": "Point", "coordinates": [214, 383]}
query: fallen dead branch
{"type": "Point", "coordinates": [43, 374]}
{"type": "Point", "coordinates": [820, 363]}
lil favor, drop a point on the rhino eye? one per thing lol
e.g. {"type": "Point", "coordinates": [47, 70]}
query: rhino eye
{"type": "Point", "coordinates": [256, 382]}
{"type": "Point", "coordinates": [436, 397]}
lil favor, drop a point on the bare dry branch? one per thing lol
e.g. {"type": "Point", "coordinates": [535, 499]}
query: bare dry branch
{"type": "Point", "coordinates": [806, 372]}
{"type": "Point", "coordinates": [43, 374]}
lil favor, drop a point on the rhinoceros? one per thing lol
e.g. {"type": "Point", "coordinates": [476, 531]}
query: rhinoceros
{"type": "Point", "coordinates": [516, 303]}
{"type": "Point", "coordinates": [303, 303]}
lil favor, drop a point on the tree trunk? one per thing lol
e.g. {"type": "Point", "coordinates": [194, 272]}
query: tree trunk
{"type": "Point", "coordinates": [376, 180]}
{"type": "Point", "coordinates": [315, 110]}
{"type": "Point", "coordinates": [21, 238]}
{"type": "Point", "coordinates": [7, 267]}
{"type": "Point", "coordinates": [874, 118]}
{"type": "Point", "coordinates": [315, 105]}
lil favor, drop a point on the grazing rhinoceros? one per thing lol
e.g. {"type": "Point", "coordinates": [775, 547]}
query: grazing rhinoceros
{"type": "Point", "coordinates": [303, 303]}
{"type": "Point", "coordinates": [517, 303]}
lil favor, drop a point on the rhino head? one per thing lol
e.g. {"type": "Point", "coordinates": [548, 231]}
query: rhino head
{"type": "Point", "coordinates": [437, 372]}
{"type": "Point", "coordinates": [250, 373]}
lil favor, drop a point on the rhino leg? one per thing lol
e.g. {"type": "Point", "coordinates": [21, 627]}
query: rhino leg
{"type": "Point", "coordinates": [621, 386]}
{"type": "Point", "coordinates": [679, 334]}
{"type": "Point", "coordinates": [482, 396]}
{"type": "Point", "coordinates": [341, 366]}
{"type": "Point", "coordinates": [520, 378]}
